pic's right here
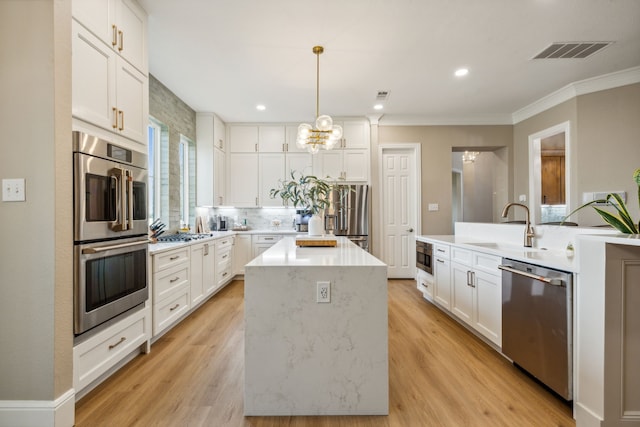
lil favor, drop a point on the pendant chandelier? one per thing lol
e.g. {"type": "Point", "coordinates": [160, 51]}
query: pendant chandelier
{"type": "Point", "coordinates": [324, 133]}
{"type": "Point", "coordinates": [470, 156]}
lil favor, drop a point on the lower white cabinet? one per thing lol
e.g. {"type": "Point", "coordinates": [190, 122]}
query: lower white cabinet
{"type": "Point", "coordinates": [442, 276]}
{"type": "Point", "coordinates": [202, 271]}
{"type": "Point", "coordinates": [224, 262]}
{"type": "Point", "coordinates": [262, 242]}
{"type": "Point", "coordinates": [477, 292]}
{"type": "Point", "coordinates": [425, 284]}
{"type": "Point", "coordinates": [171, 293]}
{"type": "Point", "coordinates": [96, 355]}
{"type": "Point", "coordinates": [242, 252]}
{"type": "Point", "coordinates": [469, 285]}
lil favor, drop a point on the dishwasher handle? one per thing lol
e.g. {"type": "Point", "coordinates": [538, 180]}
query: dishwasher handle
{"type": "Point", "coordinates": [549, 280]}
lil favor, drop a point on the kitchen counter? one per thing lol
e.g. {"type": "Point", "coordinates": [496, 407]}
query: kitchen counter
{"type": "Point", "coordinates": [552, 258]}
{"type": "Point", "coordinates": [155, 248]}
{"type": "Point", "coordinates": [304, 357]}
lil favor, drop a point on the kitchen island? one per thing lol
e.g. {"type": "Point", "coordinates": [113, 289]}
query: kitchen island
{"type": "Point", "coordinates": [304, 357]}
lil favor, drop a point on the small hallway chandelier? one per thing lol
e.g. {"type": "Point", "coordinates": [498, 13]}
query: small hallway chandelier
{"type": "Point", "coordinates": [324, 133]}
{"type": "Point", "coordinates": [470, 156]}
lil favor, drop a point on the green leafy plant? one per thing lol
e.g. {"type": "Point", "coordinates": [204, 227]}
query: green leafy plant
{"type": "Point", "coordinates": [304, 191]}
{"type": "Point", "coordinates": [620, 219]}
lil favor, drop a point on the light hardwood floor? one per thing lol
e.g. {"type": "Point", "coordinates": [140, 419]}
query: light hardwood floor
{"type": "Point", "coordinates": [440, 375]}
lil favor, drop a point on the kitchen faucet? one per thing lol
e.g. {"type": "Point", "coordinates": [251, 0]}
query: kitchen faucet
{"type": "Point", "coordinates": [528, 231]}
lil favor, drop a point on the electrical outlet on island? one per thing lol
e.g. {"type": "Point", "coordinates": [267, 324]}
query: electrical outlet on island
{"type": "Point", "coordinates": [323, 292]}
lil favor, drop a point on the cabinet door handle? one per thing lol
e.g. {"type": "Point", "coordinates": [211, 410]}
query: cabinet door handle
{"type": "Point", "coordinates": [440, 261]}
{"type": "Point", "coordinates": [114, 40]}
{"type": "Point", "coordinates": [173, 258]}
{"type": "Point", "coordinates": [440, 250]}
{"type": "Point", "coordinates": [206, 249]}
{"type": "Point", "coordinates": [255, 147]}
{"type": "Point", "coordinates": [114, 110]}
{"type": "Point", "coordinates": [112, 346]}
{"type": "Point", "coordinates": [174, 307]}
{"type": "Point", "coordinates": [468, 278]}
{"type": "Point", "coordinates": [121, 45]}
{"type": "Point", "coordinates": [121, 115]}
{"type": "Point", "coordinates": [224, 274]}
{"type": "Point", "coordinates": [225, 256]}
{"type": "Point", "coordinates": [175, 279]}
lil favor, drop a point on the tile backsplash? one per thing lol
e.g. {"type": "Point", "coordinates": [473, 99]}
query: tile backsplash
{"type": "Point", "coordinates": [254, 218]}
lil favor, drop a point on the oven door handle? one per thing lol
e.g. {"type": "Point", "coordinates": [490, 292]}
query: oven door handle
{"type": "Point", "coordinates": [111, 247]}
{"type": "Point", "coordinates": [129, 178]}
{"type": "Point", "coordinates": [549, 280]}
{"type": "Point", "coordinates": [121, 205]}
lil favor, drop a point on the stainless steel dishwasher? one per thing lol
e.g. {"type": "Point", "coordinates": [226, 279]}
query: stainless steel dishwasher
{"type": "Point", "coordinates": [537, 323]}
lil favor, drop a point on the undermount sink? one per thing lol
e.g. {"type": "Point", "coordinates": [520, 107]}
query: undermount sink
{"type": "Point", "coordinates": [505, 247]}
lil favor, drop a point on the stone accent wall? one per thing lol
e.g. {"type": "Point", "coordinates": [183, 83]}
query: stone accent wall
{"type": "Point", "coordinates": [177, 119]}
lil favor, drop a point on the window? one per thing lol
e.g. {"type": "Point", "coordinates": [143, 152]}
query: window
{"type": "Point", "coordinates": [187, 163]}
{"type": "Point", "coordinates": [153, 170]}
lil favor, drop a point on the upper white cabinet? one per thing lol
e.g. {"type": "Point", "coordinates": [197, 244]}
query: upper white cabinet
{"type": "Point", "coordinates": [349, 160]}
{"type": "Point", "coordinates": [347, 165]}
{"type": "Point", "coordinates": [243, 138]}
{"type": "Point", "coordinates": [355, 134]}
{"type": "Point", "coordinates": [210, 160]}
{"type": "Point", "coordinates": [271, 139]}
{"type": "Point", "coordinates": [106, 90]}
{"type": "Point", "coordinates": [271, 167]}
{"type": "Point", "coordinates": [119, 24]}
{"type": "Point", "coordinates": [243, 180]}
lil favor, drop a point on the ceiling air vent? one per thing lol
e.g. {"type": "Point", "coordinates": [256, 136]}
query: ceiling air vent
{"type": "Point", "coordinates": [382, 95]}
{"type": "Point", "coordinates": [569, 50]}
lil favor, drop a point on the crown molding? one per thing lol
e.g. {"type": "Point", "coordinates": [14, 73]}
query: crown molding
{"type": "Point", "coordinates": [494, 119]}
{"type": "Point", "coordinates": [572, 90]}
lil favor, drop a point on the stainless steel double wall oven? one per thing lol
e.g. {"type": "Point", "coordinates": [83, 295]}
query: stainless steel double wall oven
{"type": "Point", "coordinates": [110, 230]}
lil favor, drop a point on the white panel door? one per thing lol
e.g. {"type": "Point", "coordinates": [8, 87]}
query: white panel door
{"type": "Point", "coordinates": [133, 101]}
{"type": "Point", "coordinates": [243, 180]}
{"type": "Point", "coordinates": [399, 212]}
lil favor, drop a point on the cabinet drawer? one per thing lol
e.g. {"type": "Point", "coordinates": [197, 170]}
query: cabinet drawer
{"type": "Point", "coordinates": [169, 281]}
{"type": "Point", "coordinates": [462, 256]}
{"type": "Point", "coordinates": [169, 259]}
{"type": "Point", "coordinates": [441, 251]}
{"type": "Point", "coordinates": [223, 254]}
{"type": "Point", "coordinates": [487, 263]}
{"type": "Point", "coordinates": [225, 242]}
{"type": "Point", "coordinates": [168, 311]}
{"type": "Point", "coordinates": [223, 273]}
{"type": "Point", "coordinates": [266, 238]}
{"type": "Point", "coordinates": [95, 356]}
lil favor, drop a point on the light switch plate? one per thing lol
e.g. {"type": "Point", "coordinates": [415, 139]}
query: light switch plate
{"type": "Point", "coordinates": [434, 207]}
{"type": "Point", "coordinates": [13, 190]}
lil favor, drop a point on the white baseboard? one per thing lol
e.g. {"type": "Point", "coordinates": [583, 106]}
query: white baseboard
{"type": "Point", "coordinates": [39, 413]}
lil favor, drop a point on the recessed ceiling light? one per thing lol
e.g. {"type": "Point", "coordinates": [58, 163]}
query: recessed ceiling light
{"type": "Point", "coordinates": [378, 107]}
{"type": "Point", "coordinates": [260, 107]}
{"type": "Point", "coordinates": [461, 72]}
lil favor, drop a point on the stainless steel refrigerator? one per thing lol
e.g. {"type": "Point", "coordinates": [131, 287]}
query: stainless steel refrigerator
{"type": "Point", "coordinates": [348, 214]}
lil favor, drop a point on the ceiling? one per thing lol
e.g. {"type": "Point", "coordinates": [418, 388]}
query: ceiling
{"type": "Point", "coordinates": [227, 56]}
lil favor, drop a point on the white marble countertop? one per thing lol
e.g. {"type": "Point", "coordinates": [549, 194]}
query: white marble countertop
{"type": "Point", "coordinates": [167, 246]}
{"type": "Point", "coordinates": [286, 253]}
{"type": "Point", "coordinates": [552, 258]}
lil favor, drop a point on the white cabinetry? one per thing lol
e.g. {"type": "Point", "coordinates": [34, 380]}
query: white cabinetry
{"type": "Point", "coordinates": [224, 261]}
{"type": "Point", "coordinates": [425, 284]}
{"type": "Point", "coordinates": [442, 275]}
{"type": "Point", "coordinates": [271, 167]}
{"type": "Point", "coordinates": [202, 278]}
{"type": "Point", "coordinates": [243, 138]}
{"type": "Point", "coordinates": [350, 160]}
{"type": "Point", "coordinates": [210, 158]}
{"type": "Point", "coordinates": [120, 24]}
{"type": "Point", "coordinates": [242, 252]}
{"type": "Point", "coordinates": [477, 291]}
{"type": "Point", "coordinates": [106, 90]}
{"type": "Point", "coordinates": [171, 287]}
{"type": "Point", "coordinates": [95, 356]}
{"type": "Point", "coordinates": [262, 242]}
{"type": "Point", "coordinates": [243, 180]}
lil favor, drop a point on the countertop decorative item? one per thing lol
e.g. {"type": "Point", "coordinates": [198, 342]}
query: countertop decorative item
{"type": "Point", "coordinates": [621, 219]}
{"type": "Point", "coordinates": [304, 191]}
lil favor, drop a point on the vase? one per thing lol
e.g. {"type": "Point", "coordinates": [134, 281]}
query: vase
{"type": "Point", "coordinates": [316, 225]}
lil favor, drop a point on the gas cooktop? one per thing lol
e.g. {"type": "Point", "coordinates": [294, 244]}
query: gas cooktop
{"type": "Point", "coordinates": [183, 237]}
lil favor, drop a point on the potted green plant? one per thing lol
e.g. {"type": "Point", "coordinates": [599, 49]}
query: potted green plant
{"type": "Point", "coordinates": [620, 219]}
{"type": "Point", "coordinates": [306, 191]}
